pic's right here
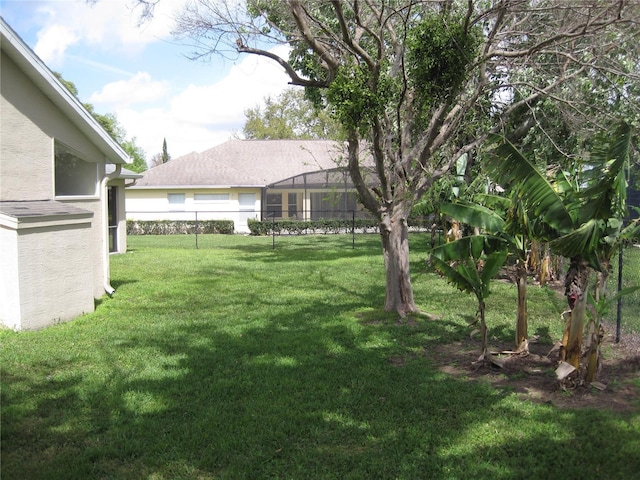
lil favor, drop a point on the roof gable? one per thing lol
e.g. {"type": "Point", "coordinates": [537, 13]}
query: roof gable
{"type": "Point", "coordinates": [35, 69]}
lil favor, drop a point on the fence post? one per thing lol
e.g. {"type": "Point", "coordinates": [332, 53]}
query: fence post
{"type": "Point", "coordinates": [196, 230]}
{"type": "Point", "coordinates": [353, 229]}
{"type": "Point", "coordinates": [619, 312]}
{"type": "Point", "coordinates": [273, 233]}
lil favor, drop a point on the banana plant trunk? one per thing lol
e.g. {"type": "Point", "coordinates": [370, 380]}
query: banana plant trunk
{"type": "Point", "coordinates": [594, 334]}
{"type": "Point", "coordinates": [522, 342]}
{"type": "Point", "coordinates": [394, 231]}
{"type": "Point", "coordinates": [576, 285]}
{"type": "Point", "coordinates": [546, 269]}
{"type": "Point", "coordinates": [483, 330]}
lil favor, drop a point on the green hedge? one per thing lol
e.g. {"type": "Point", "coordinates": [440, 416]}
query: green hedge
{"type": "Point", "coordinates": [177, 227]}
{"type": "Point", "coordinates": [321, 226]}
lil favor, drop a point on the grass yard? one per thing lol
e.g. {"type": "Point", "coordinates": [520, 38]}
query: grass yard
{"type": "Point", "coordinates": [238, 361]}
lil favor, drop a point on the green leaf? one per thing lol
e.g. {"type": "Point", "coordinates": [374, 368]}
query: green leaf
{"type": "Point", "coordinates": [580, 241]}
{"type": "Point", "coordinates": [513, 171]}
{"type": "Point", "coordinates": [477, 246]}
{"type": "Point", "coordinates": [492, 266]}
{"type": "Point", "coordinates": [453, 276]}
{"type": "Point", "coordinates": [474, 215]}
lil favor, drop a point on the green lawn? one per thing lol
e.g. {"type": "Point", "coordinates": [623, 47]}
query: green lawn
{"type": "Point", "coordinates": [238, 361]}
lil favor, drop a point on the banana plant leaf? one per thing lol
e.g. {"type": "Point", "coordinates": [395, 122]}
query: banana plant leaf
{"type": "Point", "coordinates": [492, 266]}
{"type": "Point", "coordinates": [494, 202]}
{"type": "Point", "coordinates": [457, 262]}
{"type": "Point", "coordinates": [474, 215]}
{"type": "Point", "coordinates": [583, 241]}
{"type": "Point", "coordinates": [605, 304]}
{"type": "Point", "coordinates": [515, 172]}
{"type": "Point", "coordinates": [607, 193]}
{"type": "Point", "coordinates": [469, 247]}
{"type": "Point", "coordinates": [459, 278]}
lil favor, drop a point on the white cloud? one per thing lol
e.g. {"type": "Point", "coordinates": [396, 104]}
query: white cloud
{"type": "Point", "coordinates": [108, 24]}
{"type": "Point", "coordinates": [202, 116]}
{"type": "Point", "coordinates": [53, 42]}
{"type": "Point", "coordinates": [138, 89]}
{"type": "Point", "coordinates": [245, 86]}
{"type": "Point", "coordinates": [150, 127]}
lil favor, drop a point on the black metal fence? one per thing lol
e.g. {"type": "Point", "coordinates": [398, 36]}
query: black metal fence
{"type": "Point", "coordinates": [318, 222]}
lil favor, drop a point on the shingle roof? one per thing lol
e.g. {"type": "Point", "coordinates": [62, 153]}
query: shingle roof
{"type": "Point", "coordinates": [239, 163]}
{"type": "Point", "coordinates": [40, 208]}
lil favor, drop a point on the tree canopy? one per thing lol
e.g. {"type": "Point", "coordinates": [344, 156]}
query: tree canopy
{"type": "Point", "coordinates": [290, 115]}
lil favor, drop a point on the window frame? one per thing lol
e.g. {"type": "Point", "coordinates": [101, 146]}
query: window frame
{"type": "Point", "coordinates": [88, 178]}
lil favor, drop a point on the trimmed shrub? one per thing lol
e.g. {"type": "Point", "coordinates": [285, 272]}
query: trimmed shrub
{"type": "Point", "coordinates": [178, 227]}
{"type": "Point", "coordinates": [303, 227]}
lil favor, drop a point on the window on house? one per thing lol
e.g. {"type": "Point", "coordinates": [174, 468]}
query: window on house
{"type": "Point", "coordinates": [293, 205]}
{"type": "Point", "coordinates": [211, 197]}
{"type": "Point", "coordinates": [274, 205]}
{"type": "Point", "coordinates": [176, 201]}
{"type": "Point", "coordinates": [74, 176]}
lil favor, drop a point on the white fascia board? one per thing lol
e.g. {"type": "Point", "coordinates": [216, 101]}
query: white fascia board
{"type": "Point", "coordinates": [191, 187]}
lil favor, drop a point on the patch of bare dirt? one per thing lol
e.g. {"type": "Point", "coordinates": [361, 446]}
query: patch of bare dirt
{"type": "Point", "coordinates": [532, 376]}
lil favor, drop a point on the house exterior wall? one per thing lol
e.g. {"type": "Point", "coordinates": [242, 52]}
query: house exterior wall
{"type": "Point", "coordinates": [22, 141]}
{"type": "Point", "coordinates": [10, 311]}
{"type": "Point", "coordinates": [153, 204]}
{"type": "Point", "coordinates": [97, 241]}
{"type": "Point", "coordinates": [50, 272]}
{"type": "Point", "coordinates": [29, 124]}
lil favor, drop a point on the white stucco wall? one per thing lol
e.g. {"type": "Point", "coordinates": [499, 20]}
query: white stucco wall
{"type": "Point", "coordinates": [153, 204]}
{"type": "Point", "coordinates": [96, 239]}
{"type": "Point", "coordinates": [10, 312]}
{"type": "Point", "coordinates": [49, 273]}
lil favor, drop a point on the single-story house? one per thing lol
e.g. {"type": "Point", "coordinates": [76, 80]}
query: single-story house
{"type": "Point", "coordinates": [54, 207]}
{"type": "Point", "coordinates": [248, 179]}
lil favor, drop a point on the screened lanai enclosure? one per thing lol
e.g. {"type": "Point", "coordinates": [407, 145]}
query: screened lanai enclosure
{"type": "Point", "coordinates": [313, 196]}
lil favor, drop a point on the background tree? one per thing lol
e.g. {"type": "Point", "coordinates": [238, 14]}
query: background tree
{"type": "Point", "coordinates": [417, 84]}
{"type": "Point", "coordinates": [165, 154]}
{"type": "Point", "coordinates": [290, 115]}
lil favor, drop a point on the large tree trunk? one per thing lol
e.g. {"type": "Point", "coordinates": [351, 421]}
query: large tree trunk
{"type": "Point", "coordinates": [395, 248]}
{"type": "Point", "coordinates": [522, 342]}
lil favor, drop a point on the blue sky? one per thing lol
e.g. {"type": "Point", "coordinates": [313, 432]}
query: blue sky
{"type": "Point", "coordinates": [142, 74]}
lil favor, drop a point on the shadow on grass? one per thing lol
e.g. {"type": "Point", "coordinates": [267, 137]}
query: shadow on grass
{"type": "Point", "coordinates": [206, 385]}
{"type": "Point", "coordinates": [298, 397]}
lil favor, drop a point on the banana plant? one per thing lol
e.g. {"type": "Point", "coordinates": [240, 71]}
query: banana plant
{"type": "Point", "coordinates": [507, 221]}
{"type": "Point", "coordinates": [579, 217]}
{"type": "Point", "coordinates": [470, 263]}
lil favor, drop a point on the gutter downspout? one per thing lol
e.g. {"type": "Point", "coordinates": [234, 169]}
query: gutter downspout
{"type": "Point", "coordinates": [105, 228]}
